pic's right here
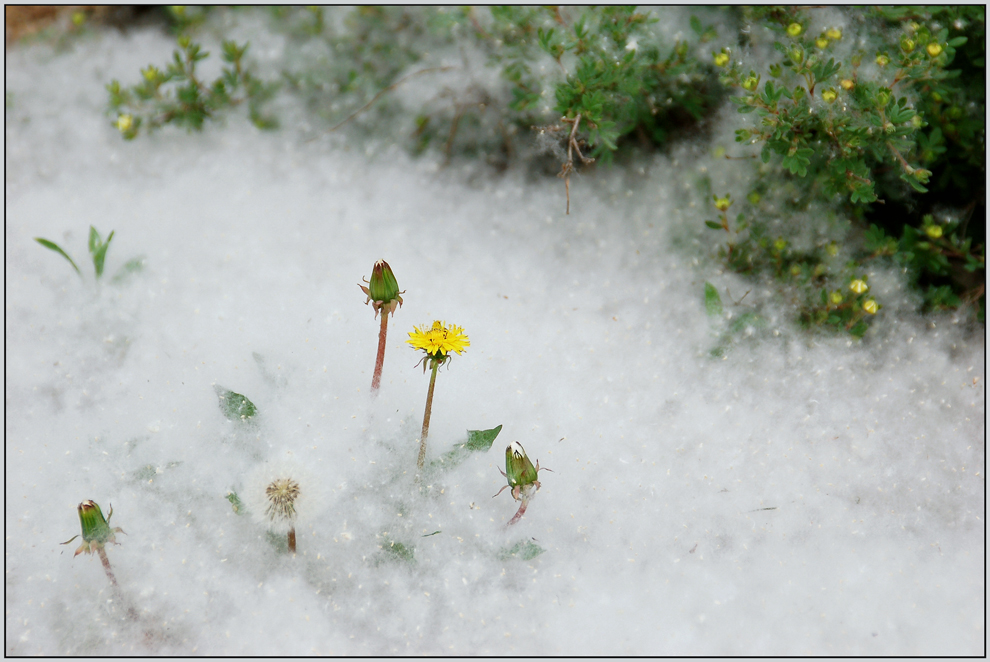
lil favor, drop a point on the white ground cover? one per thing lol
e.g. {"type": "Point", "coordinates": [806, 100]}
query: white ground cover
{"type": "Point", "coordinates": [803, 495]}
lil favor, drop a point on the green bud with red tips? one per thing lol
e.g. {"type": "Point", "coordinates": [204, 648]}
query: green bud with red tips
{"type": "Point", "coordinates": [383, 290]}
{"type": "Point", "coordinates": [96, 531]}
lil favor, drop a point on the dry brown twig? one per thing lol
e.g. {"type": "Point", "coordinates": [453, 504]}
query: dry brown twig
{"type": "Point", "coordinates": [568, 166]}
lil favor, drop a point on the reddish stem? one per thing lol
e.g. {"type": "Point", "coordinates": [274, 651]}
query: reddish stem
{"type": "Point", "coordinates": [106, 565]}
{"type": "Point", "coordinates": [519, 513]}
{"type": "Point", "coordinates": [376, 379]}
{"type": "Point", "coordinates": [292, 540]}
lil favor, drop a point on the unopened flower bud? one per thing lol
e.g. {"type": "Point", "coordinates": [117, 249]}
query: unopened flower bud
{"type": "Point", "coordinates": [721, 59]}
{"type": "Point", "coordinates": [835, 34]}
{"type": "Point", "coordinates": [124, 123]}
{"type": "Point", "coordinates": [722, 204]}
{"type": "Point", "coordinates": [883, 60]}
{"type": "Point", "coordinates": [836, 297]}
{"type": "Point", "coordinates": [96, 531]}
{"type": "Point", "coordinates": [847, 84]}
{"type": "Point", "coordinates": [934, 231]}
{"type": "Point", "coordinates": [794, 29]}
{"type": "Point", "coordinates": [871, 306]}
{"type": "Point", "coordinates": [751, 83]}
{"type": "Point", "coordinates": [907, 45]}
{"type": "Point", "coordinates": [821, 42]}
{"type": "Point", "coordinates": [917, 121]}
{"type": "Point", "coordinates": [383, 290]}
{"type": "Point", "coordinates": [829, 95]}
{"type": "Point", "coordinates": [780, 244]}
{"type": "Point", "coordinates": [858, 286]}
{"type": "Point", "coordinates": [934, 49]}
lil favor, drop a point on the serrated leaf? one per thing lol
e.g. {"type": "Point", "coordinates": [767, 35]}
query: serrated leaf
{"type": "Point", "coordinates": [50, 245]}
{"type": "Point", "coordinates": [526, 550]}
{"type": "Point", "coordinates": [235, 407]}
{"type": "Point", "coordinates": [130, 267]}
{"type": "Point", "coordinates": [478, 441]}
{"type": "Point", "coordinates": [713, 302]}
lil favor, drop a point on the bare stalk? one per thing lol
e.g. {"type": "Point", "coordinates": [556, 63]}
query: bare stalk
{"type": "Point", "coordinates": [106, 565]}
{"type": "Point", "coordinates": [376, 379]}
{"type": "Point", "coordinates": [519, 513]}
{"type": "Point", "coordinates": [292, 540]}
{"type": "Point", "coordinates": [426, 417]}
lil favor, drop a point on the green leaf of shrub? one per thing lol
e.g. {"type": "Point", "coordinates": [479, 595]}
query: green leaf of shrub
{"type": "Point", "coordinates": [713, 302]}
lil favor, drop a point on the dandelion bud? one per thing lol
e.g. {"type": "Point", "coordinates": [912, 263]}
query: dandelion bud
{"type": "Point", "coordinates": [96, 531]}
{"type": "Point", "coordinates": [519, 470]}
{"type": "Point", "coordinates": [383, 290]}
{"type": "Point", "coordinates": [858, 286]}
{"type": "Point", "coordinates": [794, 29]}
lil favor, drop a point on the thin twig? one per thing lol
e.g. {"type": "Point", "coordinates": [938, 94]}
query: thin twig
{"type": "Point", "coordinates": [388, 89]}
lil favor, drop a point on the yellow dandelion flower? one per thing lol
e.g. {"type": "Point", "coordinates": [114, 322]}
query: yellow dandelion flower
{"type": "Point", "coordinates": [439, 340]}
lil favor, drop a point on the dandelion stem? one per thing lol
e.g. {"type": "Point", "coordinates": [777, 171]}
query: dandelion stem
{"type": "Point", "coordinates": [292, 540]}
{"type": "Point", "coordinates": [426, 417]}
{"type": "Point", "coordinates": [376, 379]}
{"type": "Point", "coordinates": [519, 513]}
{"type": "Point", "coordinates": [106, 565]}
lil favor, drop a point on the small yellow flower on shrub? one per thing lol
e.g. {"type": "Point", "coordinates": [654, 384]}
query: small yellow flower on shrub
{"type": "Point", "coordinates": [124, 123]}
{"type": "Point", "coordinates": [829, 95]}
{"type": "Point", "coordinates": [858, 286]}
{"type": "Point", "coordinates": [722, 204]}
{"type": "Point", "coordinates": [836, 297]}
{"type": "Point", "coordinates": [871, 306]}
{"type": "Point", "coordinates": [794, 29]}
{"type": "Point", "coordinates": [934, 49]}
{"type": "Point", "coordinates": [821, 42]}
{"type": "Point", "coordinates": [835, 34]}
{"type": "Point", "coordinates": [934, 231]}
{"type": "Point", "coordinates": [751, 83]}
{"type": "Point", "coordinates": [847, 84]}
{"type": "Point", "coordinates": [721, 59]}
